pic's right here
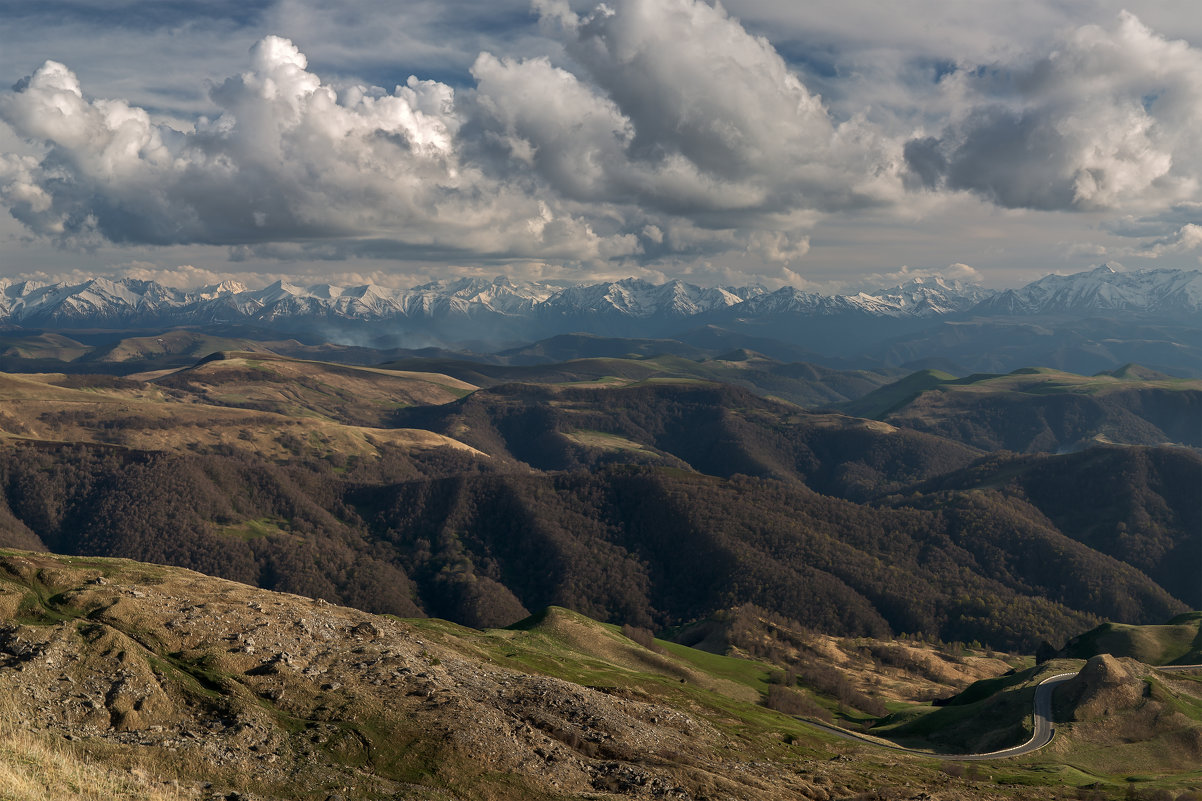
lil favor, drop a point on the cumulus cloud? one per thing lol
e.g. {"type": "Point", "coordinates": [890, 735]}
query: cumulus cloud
{"type": "Point", "coordinates": [1107, 119]}
{"type": "Point", "coordinates": [289, 159]}
{"type": "Point", "coordinates": [1186, 239]}
{"type": "Point", "coordinates": [690, 114]}
{"type": "Point", "coordinates": [640, 135]}
{"type": "Point", "coordinates": [1163, 223]}
{"type": "Point", "coordinates": [668, 129]}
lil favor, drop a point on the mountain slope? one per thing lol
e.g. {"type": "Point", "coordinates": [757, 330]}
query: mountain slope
{"type": "Point", "coordinates": [1177, 642]}
{"type": "Point", "coordinates": [650, 546]}
{"type": "Point", "coordinates": [207, 688]}
{"type": "Point", "coordinates": [351, 395]}
{"type": "Point", "coordinates": [596, 307]}
{"type": "Point", "coordinates": [1085, 344]}
{"type": "Point", "coordinates": [1103, 289]}
{"type": "Point", "coordinates": [713, 428]}
{"type": "Point", "coordinates": [801, 383]}
{"type": "Point", "coordinates": [234, 690]}
{"type": "Point", "coordinates": [1138, 505]}
{"type": "Point", "coordinates": [1092, 321]}
{"type": "Point", "coordinates": [521, 496]}
{"type": "Point", "coordinates": [1042, 410]}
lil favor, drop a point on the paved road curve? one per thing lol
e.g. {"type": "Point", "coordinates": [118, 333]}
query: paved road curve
{"type": "Point", "coordinates": [1043, 722]}
{"type": "Point", "coordinates": [1042, 715]}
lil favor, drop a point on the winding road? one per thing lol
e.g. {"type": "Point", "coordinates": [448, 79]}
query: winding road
{"type": "Point", "coordinates": [1044, 730]}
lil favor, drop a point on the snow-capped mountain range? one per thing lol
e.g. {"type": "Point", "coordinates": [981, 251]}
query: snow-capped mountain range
{"type": "Point", "coordinates": [473, 307]}
{"type": "Point", "coordinates": [1167, 292]}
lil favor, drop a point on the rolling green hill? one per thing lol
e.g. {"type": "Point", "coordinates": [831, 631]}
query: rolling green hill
{"type": "Point", "coordinates": [796, 382]}
{"type": "Point", "coordinates": [1178, 642]}
{"type": "Point", "coordinates": [1039, 409]}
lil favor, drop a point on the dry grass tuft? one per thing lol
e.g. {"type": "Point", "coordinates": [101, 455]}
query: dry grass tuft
{"type": "Point", "coordinates": [37, 767]}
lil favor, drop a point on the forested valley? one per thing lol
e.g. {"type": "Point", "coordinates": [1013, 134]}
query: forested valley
{"type": "Point", "coordinates": [651, 503]}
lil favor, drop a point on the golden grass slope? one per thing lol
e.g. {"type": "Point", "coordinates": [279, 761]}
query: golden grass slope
{"type": "Point", "coordinates": [352, 395]}
{"type": "Point", "coordinates": [585, 636]}
{"type": "Point", "coordinates": [1041, 409]}
{"type": "Point", "coordinates": [147, 416]}
{"type": "Point", "coordinates": [1122, 716]}
{"type": "Point", "coordinates": [37, 767]}
{"type": "Point", "coordinates": [42, 346]}
{"type": "Point", "coordinates": [171, 343]}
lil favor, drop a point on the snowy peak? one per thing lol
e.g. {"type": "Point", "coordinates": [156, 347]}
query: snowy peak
{"type": "Point", "coordinates": [919, 297]}
{"type": "Point", "coordinates": [211, 291]}
{"type": "Point", "coordinates": [636, 298]}
{"type": "Point", "coordinates": [97, 300]}
{"type": "Point", "coordinates": [932, 296]}
{"type": "Point", "coordinates": [1103, 290]}
{"type": "Point", "coordinates": [618, 307]}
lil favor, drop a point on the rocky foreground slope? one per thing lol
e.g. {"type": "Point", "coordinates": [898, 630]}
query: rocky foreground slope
{"type": "Point", "coordinates": [218, 690]}
{"type": "Point", "coordinates": [235, 690]}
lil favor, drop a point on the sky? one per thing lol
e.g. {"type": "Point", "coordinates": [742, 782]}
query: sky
{"type": "Point", "coordinates": [827, 145]}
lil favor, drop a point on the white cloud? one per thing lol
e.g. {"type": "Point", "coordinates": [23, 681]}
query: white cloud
{"type": "Point", "coordinates": [288, 160]}
{"type": "Point", "coordinates": [182, 276]}
{"type": "Point", "coordinates": [1090, 249]}
{"type": "Point", "coordinates": [1186, 239]}
{"type": "Point", "coordinates": [752, 138]}
{"type": "Point", "coordinates": [667, 116]}
{"type": "Point", "coordinates": [552, 122]}
{"type": "Point", "coordinates": [706, 117]}
{"type": "Point", "coordinates": [1108, 119]}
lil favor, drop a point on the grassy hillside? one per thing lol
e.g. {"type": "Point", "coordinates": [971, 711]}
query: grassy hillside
{"type": "Point", "coordinates": [114, 412]}
{"type": "Point", "coordinates": [987, 716]}
{"type": "Point", "coordinates": [360, 396]}
{"type": "Point", "coordinates": [799, 383]}
{"type": "Point", "coordinates": [282, 697]}
{"type": "Point", "coordinates": [179, 345]}
{"type": "Point", "coordinates": [38, 347]}
{"type": "Point", "coordinates": [1039, 409]}
{"type": "Point", "coordinates": [1178, 642]}
{"type": "Point", "coordinates": [566, 359]}
{"type": "Point", "coordinates": [176, 685]}
{"type": "Point", "coordinates": [879, 403]}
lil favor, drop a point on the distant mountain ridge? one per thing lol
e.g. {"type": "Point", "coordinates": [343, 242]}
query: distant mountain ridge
{"type": "Point", "coordinates": [1103, 289]}
{"type": "Point", "coordinates": [921, 319]}
{"type": "Point", "coordinates": [132, 301]}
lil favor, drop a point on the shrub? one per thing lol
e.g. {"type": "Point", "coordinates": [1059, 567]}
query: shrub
{"type": "Point", "coordinates": [791, 702]}
{"type": "Point", "coordinates": [642, 636]}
